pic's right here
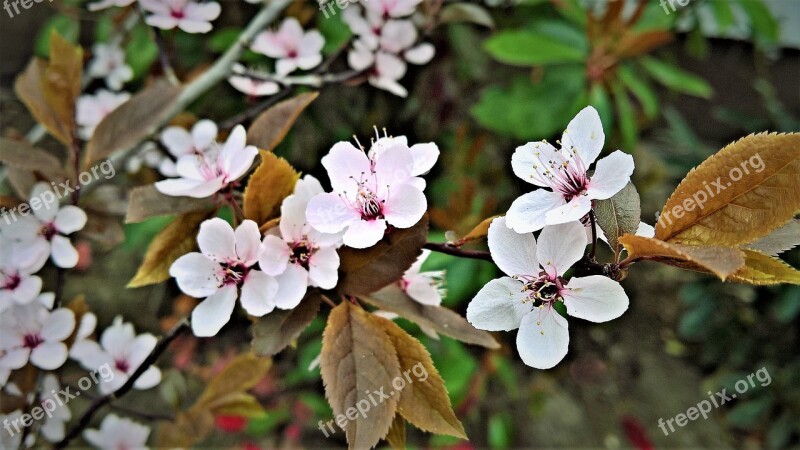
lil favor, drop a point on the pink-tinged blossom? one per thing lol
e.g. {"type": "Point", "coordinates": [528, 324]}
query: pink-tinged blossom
{"type": "Point", "coordinates": [424, 287]}
{"type": "Point", "coordinates": [424, 155]}
{"type": "Point", "coordinates": [202, 175]}
{"type": "Point", "coordinates": [121, 350]}
{"type": "Point", "coordinates": [392, 8]}
{"type": "Point", "coordinates": [33, 333]}
{"type": "Point", "coordinates": [564, 171]}
{"type": "Point", "coordinates": [291, 46]}
{"type": "Point", "coordinates": [103, 4]}
{"type": "Point", "coordinates": [188, 15]}
{"type": "Point", "coordinates": [525, 298]}
{"type": "Point", "coordinates": [179, 142]}
{"type": "Point", "coordinates": [253, 87]}
{"type": "Point", "coordinates": [118, 433]}
{"type": "Point", "coordinates": [223, 266]}
{"type": "Point", "coordinates": [18, 262]}
{"type": "Point", "coordinates": [90, 110]}
{"type": "Point", "coordinates": [108, 62]}
{"type": "Point", "coordinates": [368, 194]}
{"type": "Point", "coordinates": [296, 254]}
{"type": "Point", "coordinates": [49, 225]}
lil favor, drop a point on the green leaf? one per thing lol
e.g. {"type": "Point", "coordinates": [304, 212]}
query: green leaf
{"type": "Point", "coordinates": [466, 12]}
{"type": "Point", "coordinates": [619, 215]}
{"type": "Point", "coordinates": [748, 414]}
{"type": "Point", "coordinates": [723, 14]}
{"type": "Point", "coordinates": [764, 26]}
{"type": "Point", "coordinates": [641, 89]}
{"type": "Point", "coordinates": [141, 51]}
{"type": "Point", "coordinates": [626, 116]}
{"type": "Point", "coordinates": [335, 32]}
{"type": "Point", "coordinates": [527, 48]}
{"type": "Point", "coordinates": [66, 26]}
{"type": "Point", "coordinates": [675, 78]}
{"type": "Point", "coordinates": [598, 97]}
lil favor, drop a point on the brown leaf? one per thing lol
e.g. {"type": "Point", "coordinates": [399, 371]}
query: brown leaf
{"type": "Point", "coordinates": [28, 87]}
{"type": "Point", "coordinates": [236, 404]}
{"type": "Point", "coordinates": [61, 84]}
{"type": "Point", "coordinates": [423, 401]}
{"type": "Point", "coordinates": [784, 238]}
{"type": "Point", "coordinates": [762, 269]}
{"type": "Point", "coordinates": [619, 215]}
{"type": "Point", "coordinates": [275, 331]}
{"type": "Point", "coordinates": [133, 121]}
{"type": "Point", "coordinates": [242, 374]}
{"type": "Point", "coordinates": [271, 182]}
{"type": "Point", "coordinates": [103, 229]}
{"type": "Point", "coordinates": [736, 212]}
{"type": "Point", "coordinates": [358, 359]}
{"type": "Point", "coordinates": [22, 155]}
{"type": "Point", "coordinates": [175, 240]}
{"type": "Point", "coordinates": [146, 202]}
{"type": "Point", "coordinates": [364, 271]}
{"type": "Point", "coordinates": [480, 231]}
{"type": "Point", "coordinates": [443, 320]}
{"type": "Point", "coordinates": [188, 428]}
{"type": "Point", "coordinates": [396, 438]}
{"type": "Point", "coordinates": [269, 128]}
{"type": "Point", "coordinates": [721, 261]}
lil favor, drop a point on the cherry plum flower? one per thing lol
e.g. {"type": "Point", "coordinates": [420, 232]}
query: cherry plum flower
{"type": "Point", "coordinates": [121, 350]}
{"type": "Point", "coordinates": [291, 46]}
{"type": "Point", "coordinates": [204, 174]}
{"type": "Point", "coordinates": [118, 433]}
{"type": "Point", "coordinates": [109, 63]}
{"type": "Point", "coordinates": [392, 8]}
{"type": "Point", "coordinates": [252, 86]}
{"type": "Point", "coordinates": [49, 224]}
{"type": "Point", "coordinates": [179, 142]}
{"type": "Point", "coordinates": [525, 299]}
{"type": "Point", "coordinates": [424, 287]}
{"type": "Point", "coordinates": [564, 171]}
{"type": "Point", "coordinates": [90, 110]}
{"type": "Point", "coordinates": [33, 333]}
{"type": "Point", "coordinates": [298, 255]}
{"type": "Point", "coordinates": [424, 155]}
{"type": "Point", "coordinates": [189, 16]}
{"type": "Point", "coordinates": [369, 194]}
{"type": "Point", "coordinates": [18, 262]}
{"type": "Point", "coordinates": [223, 266]}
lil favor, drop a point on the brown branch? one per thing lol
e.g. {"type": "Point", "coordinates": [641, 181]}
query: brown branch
{"type": "Point", "coordinates": [455, 251]}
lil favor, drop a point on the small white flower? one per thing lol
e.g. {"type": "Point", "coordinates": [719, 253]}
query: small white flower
{"type": "Point", "coordinates": [92, 109]}
{"type": "Point", "coordinates": [11, 437]}
{"type": "Point", "coordinates": [525, 298]}
{"type": "Point", "coordinates": [298, 255]}
{"type": "Point", "coordinates": [50, 224]}
{"type": "Point", "coordinates": [223, 266]}
{"type": "Point", "coordinates": [109, 63]}
{"type": "Point", "coordinates": [32, 332]}
{"type": "Point", "coordinates": [121, 350]}
{"type": "Point", "coordinates": [293, 48]}
{"type": "Point", "coordinates": [118, 433]}
{"type": "Point", "coordinates": [189, 16]}
{"type": "Point", "coordinates": [180, 142]}
{"type": "Point", "coordinates": [18, 262]}
{"type": "Point", "coordinates": [424, 155]}
{"type": "Point", "coordinates": [149, 155]}
{"type": "Point", "coordinates": [53, 426]}
{"type": "Point", "coordinates": [424, 287]}
{"type": "Point", "coordinates": [392, 8]}
{"type": "Point", "coordinates": [369, 194]}
{"type": "Point", "coordinates": [253, 87]}
{"type": "Point", "coordinates": [204, 174]}
{"type": "Point", "coordinates": [565, 172]}
{"type": "Point", "coordinates": [103, 4]}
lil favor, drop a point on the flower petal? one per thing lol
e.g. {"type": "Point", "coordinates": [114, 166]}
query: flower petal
{"type": "Point", "coordinates": [420, 54]}
{"type": "Point", "coordinates": [528, 212]}
{"type": "Point", "coordinates": [611, 175]}
{"type": "Point", "coordinates": [561, 246]}
{"type": "Point", "coordinates": [203, 133]}
{"type": "Point", "coordinates": [570, 212]}
{"type": "Point", "coordinates": [328, 213]}
{"type": "Point", "coordinates": [181, 187]}
{"type": "Point", "coordinates": [58, 325]}
{"type": "Point", "coordinates": [543, 338]}
{"type": "Point", "coordinates": [258, 293]}
{"type": "Point", "coordinates": [343, 162]}
{"type": "Point", "coordinates": [248, 242]}
{"type": "Point", "coordinates": [364, 233]}
{"type": "Point", "coordinates": [292, 287]}
{"type": "Point", "coordinates": [70, 219]}
{"type": "Point", "coordinates": [177, 140]}
{"type": "Point", "coordinates": [196, 275]}
{"type": "Point", "coordinates": [217, 240]}
{"type": "Point", "coordinates": [274, 255]}
{"type": "Point", "coordinates": [498, 306]}
{"type": "Point", "coordinates": [323, 268]}
{"type": "Point", "coordinates": [148, 379]}
{"type": "Point", "coordinates": [210, 315]}
{"type": "Point", "coordinates": [425, 156]}
{"type": "Point", "coordinates": [49, 355]}
{"type": "Point", "coordinates": [63, 253]}
{"type": "Point", "coordinates": [584, 135]}
{"type": "Point", "coordinates": [514, 253]}
{"type": "Point", "coordinates": [531, 161]}
{"type": "Point", "coordinates": [405, 206]}
{"type": "Point", "coordinates": [422, 290]}
{"type": "Point", "coordinates": [595, 298]}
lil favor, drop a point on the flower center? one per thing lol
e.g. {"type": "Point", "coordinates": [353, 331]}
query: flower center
{"type": "Point", "coordinates": [32, 341]}
{"type": "Point", "coordinates": [301, 253]}
{"type": "Point", "coordinates": [292, 54]}
{"type": "Point", "coordinates": [177, 14]}
{"type": "Point", "coordinates": [122, 365]}
{"type": "Point", "coordinates": [12, 281]}
{"type": "Point", "coordinates": [233, 273]}
{"type": "Point", "coordinates": [542, 290]}
{"type": "Point", "coordinates": [48, 230]}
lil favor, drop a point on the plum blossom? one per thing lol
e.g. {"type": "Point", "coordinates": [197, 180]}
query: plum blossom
{"type": "Point", "coordinates": [564, 171]}
{"type": "Point", "coordinates": [33, 333]}
{"type": "Point", "coordinates": [297, 255]}
{"type": "Point", "coordinates": [424, 155]}
{"type": "Point", "coordinates": [204, 174]}
{"type": "Point", "coordinates": [18, 262]}
{"type": "Point", "coordinates": [103, 4]}
{"type": "Point", "coordinates": [369, 194]}
{"type": "Point", "coordinates": [50, 224]}
{"type": "Point", "coordinates": [118, 433]}
{"type": "Point", "coordinates": [121, 350]}
{"type": "Point", "coordinates": [253, 87]}
{"type": "Point", "coordinates": [424, 287]}
{"type": "Point", "coordinates": [180, 142]}
{"type": "Point", "coordinates": [222, 267]}
{"type": "Point", "coordinates": [148, 155]}
{"type": "Point", "coordinates": [54, 424]}
{"type": "Point", "coordinates": [293, 48]}
{"type": "Point", "coordinates": [90, 110]}
{"type": "Point", "coordinates": [392, 8]}
{"type": "Point", "coordinates": [189, 16]}
{"type": "Point", "coordinates": [525, 299]}
{"type": "Point", "coordinates": [109, 63]}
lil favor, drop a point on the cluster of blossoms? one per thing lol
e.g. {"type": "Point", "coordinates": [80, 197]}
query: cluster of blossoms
{"type": "Point", "coordinates": [372, 191]}
{"type": "Point", "coordinates": [535, 283]}
{"type": "Point", "coordinates": [108, 64]}
{"type": "Point", "coordinates": [386, 39]}
{"type": "Point", "coordinates": [178, 142]}
{"type": "Point", "coordinates": [187, 15]}
{"type": "Point", "coordinates": [290, 47]}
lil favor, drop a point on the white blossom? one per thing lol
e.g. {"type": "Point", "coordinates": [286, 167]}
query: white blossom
{"type": "Point", "coordinates": [188, 15]}
{"type": "Point", "coordinates": [18, 262]}
{"type": "Point", "coordinates": [118, 433]}
{"type": "Point", "coordinates": [291, 46]}
{"type": "Point", "coordinates": [90, 109]}
{"type": "Point", "coordinates": [424, 287]}
{"type": "Point", "coordinates": [109, 63]}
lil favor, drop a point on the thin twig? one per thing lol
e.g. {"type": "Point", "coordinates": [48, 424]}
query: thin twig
{"type": "Point", "coordinates": [254, 110]}
{"type": "Point", "coordinates": [455, 251]}
{"type": "Point", "coordinates": [593, 223]}
{"type": "Point", "coordinates": [163, 57]}
{"type": "Point", "coordinates": [181, 327]}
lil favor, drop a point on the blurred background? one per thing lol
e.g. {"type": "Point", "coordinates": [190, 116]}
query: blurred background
{"type": "Point", "coordinates": [672, 87]}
